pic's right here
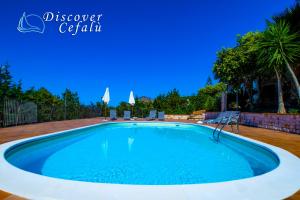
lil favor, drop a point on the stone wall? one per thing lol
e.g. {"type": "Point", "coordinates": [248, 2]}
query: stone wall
{"type": "Point", "coordinates": [288, 122]}
{"type": "Point", "coordinates": [177, 117]}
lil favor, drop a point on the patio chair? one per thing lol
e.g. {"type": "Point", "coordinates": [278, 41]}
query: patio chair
{"type": "Point", "coordinates": [126, 115]}
{"type": "Point", "coordinates": [152, 115]}
{"type": "Point", "coordinates": [161, 116]}
{"type": "Point", "coordinates": [113, 114]}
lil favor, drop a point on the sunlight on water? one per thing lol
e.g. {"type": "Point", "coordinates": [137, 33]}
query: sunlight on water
{"type": "Point", "coordinates": [143, 153]}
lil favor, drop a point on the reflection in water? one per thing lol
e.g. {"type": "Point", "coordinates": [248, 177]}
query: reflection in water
{"type": "Point", "coordinates": [105, 147]}
{"type": "Point", "coordinates": [130, 142]}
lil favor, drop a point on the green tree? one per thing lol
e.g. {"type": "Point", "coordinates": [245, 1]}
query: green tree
{"type": "Point", "coordinates": [5, 81]}
{"type": "Point", "coordinates": [49, 106]}
{"type": "Point", "coordinates": [171, 103]}
{"type": "Point", "coordinates": [209, 97]}
{"type": "Point", "coordinates": [122, 107]}
{"type": "Point", "coordinates": [278, 47]}
{"type": "Point", "coordinates": [249, 69]}
{"type": "Point", "coordinates": [90, 110]}
{"type": "Point", "coordinates": [228, 68]}
{"type": "Point", "coordinates": [44, 101]}
{"type": "Point", "coordinates": [5, 84]}
{"type": "Point", "coordinates": [292, 16]}
{"type": "Point", "coordinates": [29, 94]}
{"type": "Point", "coordinates": [15, 91]}
{"type": "Point", "coordinates": [71, 104]}
{"type": "Point", "coordinates": [237, 66]}
{"type": "Point", "coordinates": [143, 106]}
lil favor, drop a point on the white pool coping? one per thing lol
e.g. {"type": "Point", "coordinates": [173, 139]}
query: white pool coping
{"type": "Point", "coordinates": [279, 183]}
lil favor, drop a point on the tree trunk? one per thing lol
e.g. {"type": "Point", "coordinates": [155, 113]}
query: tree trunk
{"type": "Point", "coordinates": [237, 100]}
{"type": "Point", "coordinates": [281, 108]}
{"type": "Point", "coordinates": [249, 89]}
{"type": "Point", "coordinates": [295, 80]}
{"type": "Point", "coordinates": [224, 102]}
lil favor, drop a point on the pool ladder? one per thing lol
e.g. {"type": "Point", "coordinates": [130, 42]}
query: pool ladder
{"type": "Point", "coordinates": [217, 131]}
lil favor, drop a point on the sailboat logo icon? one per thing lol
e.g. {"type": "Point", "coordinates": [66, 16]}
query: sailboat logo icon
{"type": "Point", "coordinates": [24, 25]}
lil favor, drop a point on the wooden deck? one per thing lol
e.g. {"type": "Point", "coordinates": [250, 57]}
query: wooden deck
{"type": "Point", "coordinates": [283, 140]}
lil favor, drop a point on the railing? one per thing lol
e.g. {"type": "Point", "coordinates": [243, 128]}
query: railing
{"type": "Point", "coordinates": [231, 117]}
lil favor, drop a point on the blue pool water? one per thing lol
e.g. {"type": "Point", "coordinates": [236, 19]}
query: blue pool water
{"type": "Point", "coordinates": [143, 153]}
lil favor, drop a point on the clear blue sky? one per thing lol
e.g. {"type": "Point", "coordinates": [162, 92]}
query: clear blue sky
{"type": "Point", "coordinates": [148, 46]}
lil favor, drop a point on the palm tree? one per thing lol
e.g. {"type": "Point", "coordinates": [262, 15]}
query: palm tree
{"type": "Point", "coordinates": [279, 47]}
{"type": "Point", "coordinates": [291, 15]}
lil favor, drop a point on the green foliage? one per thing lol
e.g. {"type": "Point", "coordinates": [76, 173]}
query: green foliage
{"type": "Point", "coordinates": [122, 107]}
{"type": "Point", "coordinates": [256, 55]}
{"type": "Point", "coordinates": [91, 110]}
{"type": "Point", "coordinates": [209, 97]}
{"type": "Point", "coordinates": [227, 66]}
{"type": "Point", "coordinates": [142, 107]}
{"type": "Point", "coordinates": [278, 48]}
{"type": "Point", "coordinates": [235, 66]}
{"type": "Point", "coordinates": [5, 81]}
{"type": "Point", "coordinates": [72, 104]}
{"type": "Point", "coordinates": [278, 45]}
{"type": "Point", "coordinates": [291, 15]}
{"type": "Point", "coordinates": [294, 111]}
{"type": "Point", "coordinates": [171, 103]}
{"type": "Point", "coordinates": [50, 107]}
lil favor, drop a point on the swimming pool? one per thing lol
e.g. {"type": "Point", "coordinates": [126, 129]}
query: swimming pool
{"type": "Point", "coordinates": [145, 154]}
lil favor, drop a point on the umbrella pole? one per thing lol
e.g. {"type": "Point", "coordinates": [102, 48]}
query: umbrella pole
{"type": "Point", "coordinates": [105, 110]}
{"type": "Point", "coordinates": [132, 110]}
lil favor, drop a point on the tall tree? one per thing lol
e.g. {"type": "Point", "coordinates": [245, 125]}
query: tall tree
{"type": "Point", "coordinates": [5, 81]}
{"type": "Point", "coordinates": [292, 16]}
{"type": "Point", "coordinates": [44, 101]}
{"type": "Point", "coordinates": [72, 104]}
{"type": "Point", "coordinates": [143, 105]}
{"type": "Point", "coordinates": [16, 92]}
{"type": "Point", "coordinates": [209, 97]}
{"type": "Point", "coordinates": [279, 46]}
{"type": "Point", "coordinates": [228, 68]}
{"type": "Point", "coordinates": [171, 103]}
{"type": "Point", "coordinates": [122, 107]}
{"type": "Point", "coordinates": [249, 70]}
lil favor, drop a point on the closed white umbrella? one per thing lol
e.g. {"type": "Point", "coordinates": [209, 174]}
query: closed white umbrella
{"type": "Point", "coordinates": [131, 100]}
{"type": "Point", "coordinates": [106, 99]}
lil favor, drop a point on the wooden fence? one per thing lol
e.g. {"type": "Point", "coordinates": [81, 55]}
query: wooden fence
{"type": "Point", "coordinates": [18, 112]}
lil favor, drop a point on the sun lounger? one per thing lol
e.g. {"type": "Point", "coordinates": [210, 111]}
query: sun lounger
{"type": "Point", "coordinates": [219, 118]}
{"type": "Point", "coordinates": [161, 116]}
{"type": "Point", "coordinates": [126, 115]}
{"type": "Point", "coordinates": [152, 115]}
{"type": "Point", "coordinates": [234, 119]}
{"type": "Point", "coordinates": [113, 114]}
